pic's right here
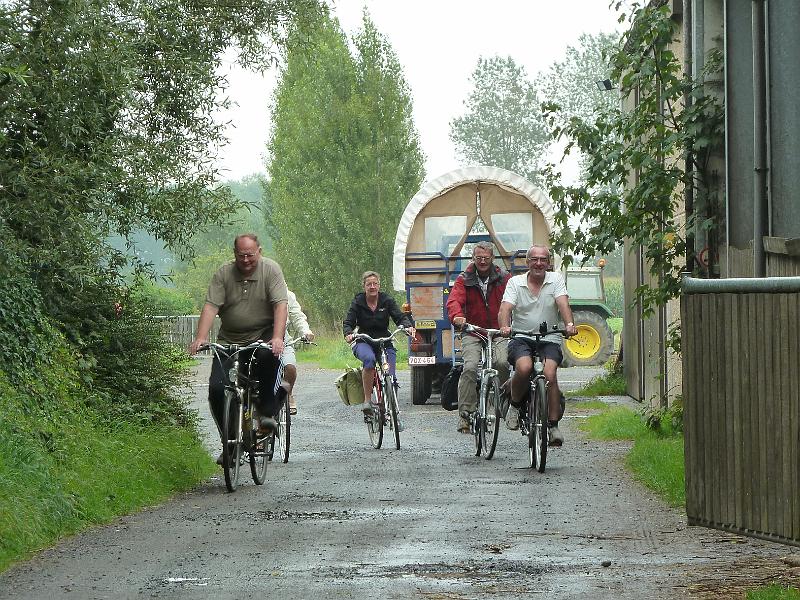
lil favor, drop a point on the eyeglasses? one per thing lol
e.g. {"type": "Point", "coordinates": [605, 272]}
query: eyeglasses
{"type": "Point", "coordinates": [538, 259]}
{"type": "Point", "coordinates": [482, 258]}
{"type": "Point", "coordinates": [246, 254]}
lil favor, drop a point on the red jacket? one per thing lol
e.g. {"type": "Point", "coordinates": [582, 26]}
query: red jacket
{"type": "Point", "coordinates": [466, 298]}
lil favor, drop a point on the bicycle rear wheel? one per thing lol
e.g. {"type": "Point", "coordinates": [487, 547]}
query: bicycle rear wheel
{"type": "Point", "coordinates": [374, 420]}
{"type": "Point", "coordinates": [537, 435]}
{"type": "Point", "coordinates": [390, 400]}
{"type": "Point", "coordinates": [232, 442]}
{"type": "Point", "coordinates": [283, 432]}
{"type": "Point", "coordinates": [491, 420]}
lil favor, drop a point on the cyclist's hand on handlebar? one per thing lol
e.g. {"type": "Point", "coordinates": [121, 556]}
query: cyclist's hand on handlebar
{"type": "Point", "coordinates": [459, 322]}
{"type": "Point", "coordinates": [195, 345]}
{"type": "Point", "coordinates": [505, 331]}
{"type": "Point", "coordinates": [571, 329]}
{"type": "Point", "coordinates": [411, 331]}
{"type": "Point", "coordinates": [277, 346]}
{"type": "Point", "coordinates": [309, 337]}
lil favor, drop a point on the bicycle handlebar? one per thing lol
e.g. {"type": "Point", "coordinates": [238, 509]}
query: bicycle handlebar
{"type": "Point", "coordinates": [368, 338]}
{"type": "Point", "coordinates": [236, 348]}
{"type": "Point", "coordinates": [542, 332]}
{"type": "Point", "coordinates": [482, 331]}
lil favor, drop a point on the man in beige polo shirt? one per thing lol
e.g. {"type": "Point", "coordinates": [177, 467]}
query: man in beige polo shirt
{"type": "Point", "coordinates": [250, 296]}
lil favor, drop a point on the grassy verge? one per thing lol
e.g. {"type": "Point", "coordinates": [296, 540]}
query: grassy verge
{"type": "Point", "coordinates": [332, 352]}
{"type": "Point", "coordinates": [82, 471]}
{"type": "Point", "coordinates": [774, 592]}
{"type": "Point", "coordinates": [656, 458]}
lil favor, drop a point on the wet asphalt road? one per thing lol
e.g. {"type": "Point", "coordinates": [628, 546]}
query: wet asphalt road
{"type": "Point", "coordinates": [431, 520]}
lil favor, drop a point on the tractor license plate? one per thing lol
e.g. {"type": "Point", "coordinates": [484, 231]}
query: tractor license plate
{"type": "Point", "coordinates": [422, 360]}
{"type": "Point", "coordinates": [425, 324]}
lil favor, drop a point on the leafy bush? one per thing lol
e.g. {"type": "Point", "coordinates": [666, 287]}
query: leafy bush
{"type": "Point", "coordinates": [163, 301]}
{"type": "Point", "coordinates": [614, 295]}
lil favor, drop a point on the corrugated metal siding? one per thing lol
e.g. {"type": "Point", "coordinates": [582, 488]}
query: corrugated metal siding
{"type": "Point", "coordinates": [741, 368]}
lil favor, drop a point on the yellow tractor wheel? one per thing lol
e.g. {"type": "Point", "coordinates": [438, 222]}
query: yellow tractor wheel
{"type": "Point", "coordinates": [592, 345]}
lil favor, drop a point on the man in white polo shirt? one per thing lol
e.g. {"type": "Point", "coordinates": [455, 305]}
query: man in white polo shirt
{"type": "Point", "coordinates": [540, 295]}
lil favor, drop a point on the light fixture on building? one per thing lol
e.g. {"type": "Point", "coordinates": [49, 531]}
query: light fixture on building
{"type": "Point", "coordinates": [605, 85]}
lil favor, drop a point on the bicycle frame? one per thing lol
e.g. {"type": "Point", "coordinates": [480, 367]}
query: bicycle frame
{"type": "Point", "coordinates": [485, 420]}
{"type": "Point", "coordinates": [387, 413]}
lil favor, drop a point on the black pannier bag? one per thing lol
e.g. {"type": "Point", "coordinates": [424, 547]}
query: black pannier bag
{"type": "Point", "coordinates": [450, 388]}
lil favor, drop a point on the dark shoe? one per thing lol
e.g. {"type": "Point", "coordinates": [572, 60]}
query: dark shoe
{"type": "Point", "coordinates": [292, 405]}
{"type": "Point", "coordinates": [220, 459]}
{"type": "Point", "coordinates": [267, 425]}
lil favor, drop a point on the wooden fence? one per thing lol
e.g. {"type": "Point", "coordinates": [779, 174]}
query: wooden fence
{"type": "Point", "coordinates": [741, 385]}
{"type": "Point", "coordinates": [181, 330]}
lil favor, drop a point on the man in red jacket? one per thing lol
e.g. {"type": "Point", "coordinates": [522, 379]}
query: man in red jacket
{"type": "Point", "coordinates": [475, 299]}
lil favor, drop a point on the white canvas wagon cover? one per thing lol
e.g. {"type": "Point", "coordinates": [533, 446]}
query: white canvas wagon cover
{"type": "Point", "coordinates": [501, 191]}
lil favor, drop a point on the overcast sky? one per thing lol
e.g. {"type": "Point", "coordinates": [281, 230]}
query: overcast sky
{"type": "Point", "coordinates": [438, 42]}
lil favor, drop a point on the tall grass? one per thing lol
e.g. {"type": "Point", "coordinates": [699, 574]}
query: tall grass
{"type": "Point", "coordinates": [91, 472]}
{"type": "Point", "coordinates": [656, 459]}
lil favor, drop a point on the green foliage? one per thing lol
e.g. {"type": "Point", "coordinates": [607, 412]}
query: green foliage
{"type": "Point", "coordinates": [615, 295]}
{"type": "Point", "coordinates": [345, 160]}
{"type": "Point", "coordinates": [656, 460]}
{"type": "Point", "coordinates": [608, 384]}
{"type": "Point", "coordinates": [652, 139]}
{"type": "Point", "coordinates": [666, 421]}
{"type": "Point", "coordinates": [332, 352]}
{"type": "Point", "coordinates": [501, 125]}
{"type": "Point", "coordinates": [194, 279]}
{"type": "Point", "coordinates": [160, 300]}
{"type": "Point", "coordinates": [84, 473]}
{"type": "Point", "coordinates": [774, 591]}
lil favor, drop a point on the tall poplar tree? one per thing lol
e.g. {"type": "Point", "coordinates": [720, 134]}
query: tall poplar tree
{"type": "Point", "coordinates": [345, 160]}
{"type": "Point", "coordinates": [502, 125]}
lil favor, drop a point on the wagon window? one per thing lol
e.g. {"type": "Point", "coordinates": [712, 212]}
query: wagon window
{"type": "Point", "coordinates": [443, 233]}
{"type": "Point", "coordinates": [514, 230]}
{"type": "Point", "coordinates": [584, 286]}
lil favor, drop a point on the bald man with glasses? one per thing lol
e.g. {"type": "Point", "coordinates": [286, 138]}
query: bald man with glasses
{"type": "Point", "coordinates": [536, 296]}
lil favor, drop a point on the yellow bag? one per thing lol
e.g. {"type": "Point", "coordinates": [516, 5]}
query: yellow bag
{"type": "Point", "coordinates": [349, 386]}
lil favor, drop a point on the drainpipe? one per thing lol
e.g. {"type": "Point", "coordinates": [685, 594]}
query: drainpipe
{"type": "Point", "coordinates": [687, 100]}
{"type": "Point", "coordinates": [760, 198]}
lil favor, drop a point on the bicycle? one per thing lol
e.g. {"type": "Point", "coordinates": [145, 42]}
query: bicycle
{"type": "Point", "coordinates": [240, 423]}
{"type": "Point", "coordinates": [384, 393]}
{"type": "Point", "coordinates": [484, 423]}
{"type": "Point", "coordinates": [534, 414]}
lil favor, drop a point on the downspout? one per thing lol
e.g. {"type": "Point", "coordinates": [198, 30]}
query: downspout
{"type": "Point", "coordinates": [688, 68]}
{"type": "Point", "coordinates": [760, 198]}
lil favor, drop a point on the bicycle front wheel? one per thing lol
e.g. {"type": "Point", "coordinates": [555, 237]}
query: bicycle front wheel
{"type": "Point", "coordinates": [537, 435]}
{"type": "Point", "coordinates": [477, 424]}
{"type": "Point", "coordinates": [490, 421]}
{"type": "Point", "coordinates": [390, 400]}
{"type": "Point", "coordinates": [232, 441]}
{"type": "Point", "coordinates": [374, 420]}
{"type": "Point", "coordinates": [282, 435]}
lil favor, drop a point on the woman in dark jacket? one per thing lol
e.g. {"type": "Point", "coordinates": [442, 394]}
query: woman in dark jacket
{"type": "Point", "coordinates": [370, 311]}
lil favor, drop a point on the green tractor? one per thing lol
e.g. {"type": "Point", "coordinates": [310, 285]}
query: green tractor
{"type": "Point", "coordinates": [594, 342]}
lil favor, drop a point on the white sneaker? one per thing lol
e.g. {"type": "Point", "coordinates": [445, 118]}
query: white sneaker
{"type": "Point", "coordinates": [512, 417]}
{"type": "Point", "coordinates": [556, 437]}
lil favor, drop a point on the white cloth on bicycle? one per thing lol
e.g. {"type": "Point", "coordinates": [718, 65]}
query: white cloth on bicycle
{"type": "Point", "coordinates": [296, 327]}
{"type": "Point", "coordinates": [529, 310]}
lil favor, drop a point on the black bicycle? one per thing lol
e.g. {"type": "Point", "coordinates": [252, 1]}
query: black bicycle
{"type": "Point", "coordinates": [385, 409]}
{"type": "Point", "coordinates": [534, 414]}
{"type": "Point", "coordinates": [240, 421]}
{"type": "Point", "coordinates": [484, 423]}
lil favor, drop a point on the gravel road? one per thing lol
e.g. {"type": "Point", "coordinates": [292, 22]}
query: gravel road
{"type": "Point", "coordinates": [342, 520]}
